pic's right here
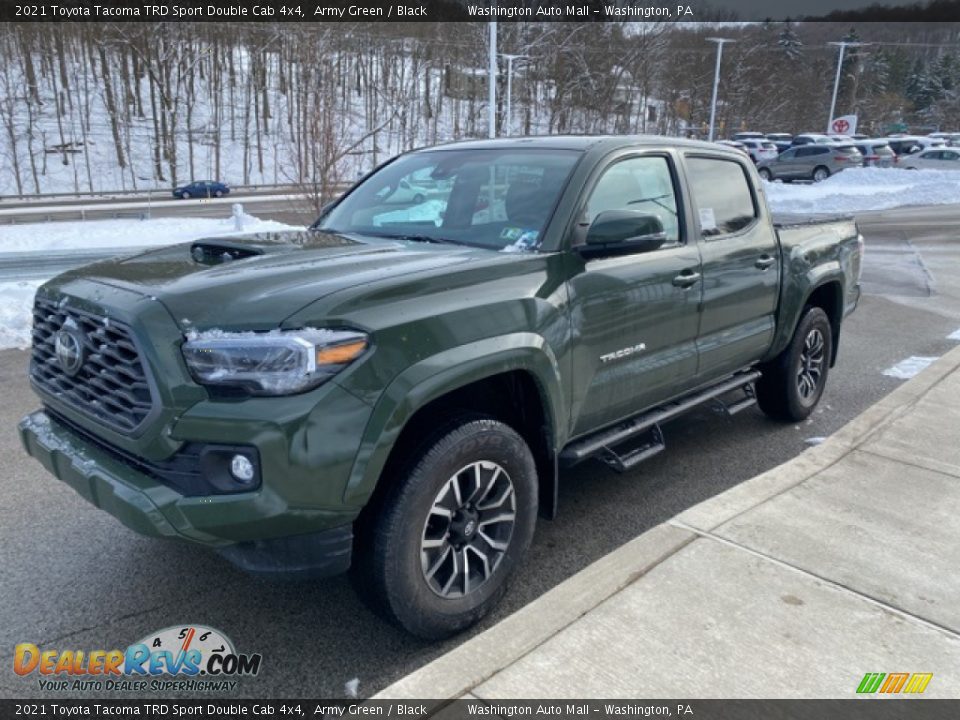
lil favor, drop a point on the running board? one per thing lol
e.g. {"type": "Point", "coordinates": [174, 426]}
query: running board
{"type": "Point", "coordinates": [604, 442]}
{"type": "Point", "coordinates": [624, 461]}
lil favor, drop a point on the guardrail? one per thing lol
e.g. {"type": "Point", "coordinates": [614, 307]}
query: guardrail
{"type": "Point", "coordinates": [137, 193]}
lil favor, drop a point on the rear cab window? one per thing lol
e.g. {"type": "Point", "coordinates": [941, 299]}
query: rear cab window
{"type": "Point", "coordinates": [721, 194]}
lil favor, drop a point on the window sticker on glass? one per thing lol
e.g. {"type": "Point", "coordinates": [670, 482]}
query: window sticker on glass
{"type": "Point", "coordinates": [708, 222]}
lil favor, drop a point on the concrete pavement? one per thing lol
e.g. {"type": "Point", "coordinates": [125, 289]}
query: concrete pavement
{"type": "Point", "coordinates": [795, 584]}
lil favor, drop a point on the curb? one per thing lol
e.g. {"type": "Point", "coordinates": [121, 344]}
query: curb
{"type": "Point", "coordinates": [482, 656]}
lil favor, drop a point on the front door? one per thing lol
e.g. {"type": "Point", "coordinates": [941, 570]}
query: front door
{"type": "Point", "coordinates": [634, 317]}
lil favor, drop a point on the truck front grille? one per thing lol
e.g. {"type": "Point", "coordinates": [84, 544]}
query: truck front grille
{"type": "Point", "coordinates": [94, 365]}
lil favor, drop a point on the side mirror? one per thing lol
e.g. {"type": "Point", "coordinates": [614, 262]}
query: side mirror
{"type": "Point", "coordinates": [622, 232]}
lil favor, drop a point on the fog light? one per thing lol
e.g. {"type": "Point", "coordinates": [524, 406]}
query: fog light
{"type": "Point", "coordinates": [241, 468]}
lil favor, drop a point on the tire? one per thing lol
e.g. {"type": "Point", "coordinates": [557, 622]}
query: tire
{"type": "Point", "coordinates": [820, 173]}
{"type": "Point", "coordinates": [185, 195]}
{"type": "Point", "coordinates": [411, 565]}
{"type": "Point", "coordinates": [219, 193]}
{"type": "Point", "coordinates": [418, 198]}
{"type": "Point", "coordinates": [792, 384]}
{"type": "Point", "coordinates": [765, 174]}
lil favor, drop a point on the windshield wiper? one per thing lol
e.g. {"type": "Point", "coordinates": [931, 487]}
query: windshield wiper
{"type": "Point", "coordinates": [417, 238]}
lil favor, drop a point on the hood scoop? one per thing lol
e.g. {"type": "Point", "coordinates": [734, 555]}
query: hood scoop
{"type": "Point", "coordinates": [217, 252]}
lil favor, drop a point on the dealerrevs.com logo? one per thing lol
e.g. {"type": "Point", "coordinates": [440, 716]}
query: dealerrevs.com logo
{"type": "Point", "coordinates": [181, 657]}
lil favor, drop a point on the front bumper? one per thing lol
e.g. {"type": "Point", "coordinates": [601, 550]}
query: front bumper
{"type": "Point", "coordinates": [243, 526]}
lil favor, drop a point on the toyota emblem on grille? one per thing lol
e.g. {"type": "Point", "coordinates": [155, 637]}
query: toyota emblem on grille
{"type": "Point", "coordinates": [69, 349]}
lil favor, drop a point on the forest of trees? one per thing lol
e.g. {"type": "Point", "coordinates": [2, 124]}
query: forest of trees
{"type": "Point", "coordinates": [98, 107]}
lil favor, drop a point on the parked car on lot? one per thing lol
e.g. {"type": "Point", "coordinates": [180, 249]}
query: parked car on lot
{"type": "Point", "coordinates": [950, 138]}
{"type": "Point", "coordinates": [760, 149]}
{"type": "Point", "coordinates": [907, 144]}
{"type": "Point", "coordinates": [741, 136]}
{"type": "Point", "coordinates": [735, 144]}
{"type": "Point", "coordinates": [811, 139]}
{"type": "Point", "coordinates": [877, 153]}
{"type": "Point", "coordinates": [396, 394]}
{"type": "Point", "coordinates": [202, 189]}
{"type": "Point", "coordinates": [935, 159]}
{"type": "Point", "coordinates": [781, 140]}
{"type": "Point", "coordinates": [814, 162]}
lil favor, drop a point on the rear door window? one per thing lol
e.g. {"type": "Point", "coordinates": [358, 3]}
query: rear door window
{"type": "Point", "coordinates": [721, 195]}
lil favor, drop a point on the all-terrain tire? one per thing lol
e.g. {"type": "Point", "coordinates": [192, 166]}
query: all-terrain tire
{"type": "Point", "coordinates": [401, 548]}
{"type": "Point", "coordinates": [792, 383]}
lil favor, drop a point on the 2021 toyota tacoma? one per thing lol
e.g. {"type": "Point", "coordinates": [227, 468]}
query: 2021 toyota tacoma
{"type": "Point", "coordinates": [396, 387]}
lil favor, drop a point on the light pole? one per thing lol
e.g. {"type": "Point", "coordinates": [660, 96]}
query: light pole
{"type": "Point", "coordinates": [716, 79]}
{"type": "Point", "coordinates": [843, 44]}
{"type": "Point", "coordinates": [492, 78]}
{"type": "Point", "coordinates": [510, 58]}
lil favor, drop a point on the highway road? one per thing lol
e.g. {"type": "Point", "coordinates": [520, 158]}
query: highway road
{"type": "Point", "coordinates": [75, 578]}
{"type": "Point", "coordinates": [285, 206]}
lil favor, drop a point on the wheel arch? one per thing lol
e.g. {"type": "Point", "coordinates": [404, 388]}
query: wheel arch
{"type": "Point", "coordinates": [514, 379]}
{"type": "Point", "coordinates": [828, 296]}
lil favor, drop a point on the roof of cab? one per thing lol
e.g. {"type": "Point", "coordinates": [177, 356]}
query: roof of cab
{"type": "Point", "coordinates": [580, 142]}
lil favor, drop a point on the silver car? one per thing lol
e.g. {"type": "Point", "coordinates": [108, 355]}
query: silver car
{"type": "Point", "coordinates": [877, 153]}
{"type": "Point", "coordinates": [810, 162]}
{"type": "Point", "coordinates": [936, 159]}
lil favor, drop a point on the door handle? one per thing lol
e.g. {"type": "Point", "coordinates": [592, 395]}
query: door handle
{"type": "Point", "coordinates": [686, 279]}
{"type": "Point", "coordinates": [763, 262]}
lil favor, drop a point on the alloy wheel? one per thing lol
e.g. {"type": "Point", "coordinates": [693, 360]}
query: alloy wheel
{"type": "Point", "coordinates": [810, 371]}
{"type": "Point", "coordinates": [468, 529]}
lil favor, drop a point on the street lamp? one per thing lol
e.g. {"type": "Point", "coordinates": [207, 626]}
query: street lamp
{"type": "Point", "coordinates": [510, 58]}
{"type": "Point", "coordinates": [492, 80]}
{"type": "Point", "coordinates": [843, 44]}
{"type": "Point", "coordinates": [716, 79]}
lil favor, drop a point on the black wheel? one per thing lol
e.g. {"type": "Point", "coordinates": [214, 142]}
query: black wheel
{"type": "Point", "coordinates": [185, 195]}
{"type": "Point", "coordinates": [820, 173]}
{"type": "Point", "coordinates": [452, 529]}
{"type": "Point", "coordinates": [765, 174]}
{"type": "Point", "coordinates": [792, 383]}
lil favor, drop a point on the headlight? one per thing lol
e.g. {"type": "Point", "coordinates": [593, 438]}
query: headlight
{"type": "Point", "coordinates": [279, 362]}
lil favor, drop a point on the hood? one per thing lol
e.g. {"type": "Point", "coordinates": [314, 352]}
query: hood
{"type": "Point", "coordinates": [256, 281]}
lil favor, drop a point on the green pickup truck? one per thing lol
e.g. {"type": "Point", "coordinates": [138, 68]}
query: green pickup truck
{"type": "Point", "coordinates": [396, 388]}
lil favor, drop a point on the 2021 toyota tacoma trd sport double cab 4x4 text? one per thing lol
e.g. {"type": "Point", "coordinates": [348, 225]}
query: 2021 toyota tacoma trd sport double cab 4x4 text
{"type": "Point", "coordinates": [396, 388]}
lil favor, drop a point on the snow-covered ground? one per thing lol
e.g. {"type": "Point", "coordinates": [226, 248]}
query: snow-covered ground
{"type": "Point", "coordinates": [863, 189]}
{"type": "Point", "coordinates": [16, 298]}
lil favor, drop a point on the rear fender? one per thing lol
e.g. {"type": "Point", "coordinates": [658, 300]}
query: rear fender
{"type": "Point", "coordinates": [800, 280]}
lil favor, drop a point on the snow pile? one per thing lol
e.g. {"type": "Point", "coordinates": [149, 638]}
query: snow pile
{"type": "Point", "coordinates": [91, 234]}
{"type": "Point", "coordinates": [16, 303]}
{"type": "Point", "coordinates": [16, 298]}
{"type": "Point", "coordinates": [863, 189]}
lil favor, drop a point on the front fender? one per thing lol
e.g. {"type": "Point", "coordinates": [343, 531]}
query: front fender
{"type": "Point", "coordinates": [445, 372]}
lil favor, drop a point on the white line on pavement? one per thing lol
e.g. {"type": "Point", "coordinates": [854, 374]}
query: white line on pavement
{"type": "Point", "coordinates": [906, 369]}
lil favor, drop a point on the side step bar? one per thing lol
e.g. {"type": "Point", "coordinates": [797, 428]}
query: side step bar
{"type": "Point", "coordinates": [603, 443]}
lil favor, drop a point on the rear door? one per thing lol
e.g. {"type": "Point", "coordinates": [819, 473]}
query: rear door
{"type": "Point", "coordinates": [634, 317]}
{"type": "Point", "coordinates": [741, 267]}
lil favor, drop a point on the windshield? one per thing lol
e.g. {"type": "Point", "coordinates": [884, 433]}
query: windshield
{"type": "Point", "coordinates": [497, 199]}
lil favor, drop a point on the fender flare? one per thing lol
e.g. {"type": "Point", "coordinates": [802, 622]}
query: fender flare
{"type": "Point", "coordinates": [434, 377]}
{"type": "Point", "coordinates": [793, 302]}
